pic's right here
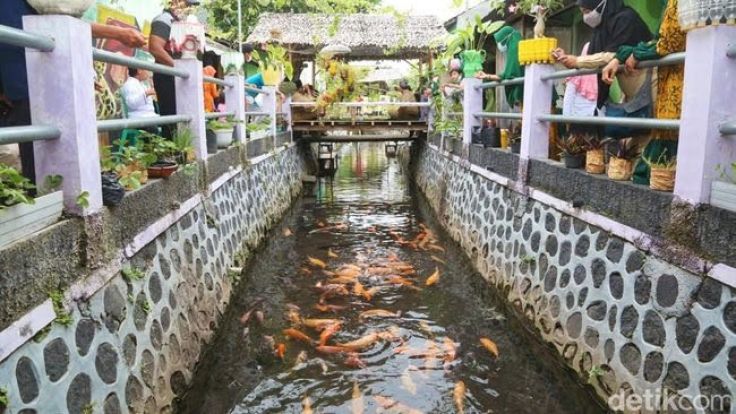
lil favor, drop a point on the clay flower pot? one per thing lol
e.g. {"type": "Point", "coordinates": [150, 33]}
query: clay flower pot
{"type": "Point", "coordinates": [69, 7]}
{"type": "Point", "coordinates": [162, 169]}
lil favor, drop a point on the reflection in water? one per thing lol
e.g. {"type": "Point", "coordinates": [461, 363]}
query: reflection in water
{"type": "Point", "coordinates": [417, 349]}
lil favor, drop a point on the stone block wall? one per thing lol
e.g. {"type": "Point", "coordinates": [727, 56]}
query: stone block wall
{"type": "Point", "coordinates": [132, 345]}
{"type": "Point", "coordinates": [625, 320]}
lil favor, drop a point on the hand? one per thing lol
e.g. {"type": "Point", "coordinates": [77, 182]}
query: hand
{"type": "Point", "coordinates": [131, 37]}
{"type": "Point", "coordinates": [570, 61]}
{"type": "Point", "coordinates": [631, 63]}
{"type": "Point", "coordinates": [609, 72]}
{"type": "Point", "coordinates": [150, 91]}
{"type": "Point", "coordinates": [558, 53]}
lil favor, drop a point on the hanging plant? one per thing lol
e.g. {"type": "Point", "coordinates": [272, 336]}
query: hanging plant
{"type": "Point", "coordinates": [539, 10]}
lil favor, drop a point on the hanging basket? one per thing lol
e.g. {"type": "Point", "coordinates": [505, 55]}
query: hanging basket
{"type": "Point", "coordinates": [537, 50]}
{"type": "Point", "coordinates": [595, 162]}
{"type": "Point", "coordinates": [620, 169]}
{"type": "Point", "coordinates": [662, 178]}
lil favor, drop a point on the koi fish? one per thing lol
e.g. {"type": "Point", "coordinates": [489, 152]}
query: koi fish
{"type": "Point", "coordinates": [436, 247]}
{"type": "Point", "coordinates": [329, 349]}
{"type": "Point", "coordinates": [361, 343]}
{"type": "Point", "coordinates": [332, 254]}
{"type": "Point", "coordinates": [341, 280]}
{"type": "Point", "coordinates": [458, 395]}
{"type": "Point", "coordinates": [395, 406]}
{"type": "Point", "coordinates": [298, 335]}
{"type": "Point", "coordinates": [329, 308]}
{"type": "Point", "coordinates": [348, 272]}
{"type": "Point", "coordinates": [408, 383]}
{"type": "Point", "coordinates": [329, 273]}
{"type": "Point", "coordinates": [307, 406]}
{"type": "Point", "coordinates": [351, 266]}
{"type": "Point", "coordinates": [450, 349]}
{"type": "Point", "coordinates": [260, 317]}
{"type": "Point", "coordinates": [368, 294]}
{"type": "Point", "coordinates": [270, 342]}
{"type": "Point", "coordinates": [330, 330]}
{"type": "Point", "coordinates": [426, 328]}
{"type": "Point", "coordinates": [287, 232]}
{"type": "Point", "coordinates": [358, 289]}
{"type": "Point", "coordinates": [301, 358]}
{"type": "Point", "coordinates": [280, 350]}
{"type": "Point", "coordinates": [354, 361]}
{"type": "Point", "coordinates": [319, 324]}
{"type": "Point", "coordinates": [490, 346]}
{"type": "Point", "coordinates": [393, 257]}
{"type": "Point", "coordinates": [293, 317]}
{"type": "Point", "coordinates": [316, 262]}
{"type": "Point", "coordinates": [438, 260]}
{"type": "Point", "coordinates": [357, 401]}
{"type": "Point", "coordinates": [380, 271]}
{"type": "Point", "coordinates": [398, 280]}
{"type": "Point", "coordinates": [434, 278]}
{"type": "Point", "coordinates": [378, 313]}
{"type": "Point", "coordinates": [246, 316]}
{"type": "Point", "coordinates": [306, 271]}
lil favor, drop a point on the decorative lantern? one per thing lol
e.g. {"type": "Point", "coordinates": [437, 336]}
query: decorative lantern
{"type": "Point", "coordinates": [233, 63]}
{"type": "Point", "coordinates": [71, 7]}
{"type": "Point", "coordinates": [699, 13]}
{"type": "Point", "coordinates": [187, 38]}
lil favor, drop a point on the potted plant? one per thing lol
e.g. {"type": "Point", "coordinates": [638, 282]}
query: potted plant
{"type": "Point", "coordinates": [723, 191]}
{"type": "Point", "coordinates": [472, 52]}
{"type": "Point", "coordinates": [223, 130]}
{"type": "Point", "coordinates": [572, 152]}
{"type": "Point", "coordinates": [536, 50]}
{"type": "Point", "coordinates": [258, 129]}
{"type": "Point", "coordinates": [20, 213]}
{"type": "Point", "coordinates": [183, 139]}
{"type": "Point", "coordinates": [130, 164]}
{"type": "Point", "coordinates": [621, 160]}
{"type": "Point", "coordinates": [165, 152]}
{"type": "Point", "coordinates": [662, 172]}
{"type": "Point", "coordinates": [274, 63]}
{"type": "Point", "coordinates": [71, 7]}
{"type": "Point", "coordinates": [595, 156]}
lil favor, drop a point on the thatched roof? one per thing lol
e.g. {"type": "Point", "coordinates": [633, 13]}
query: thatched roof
{"type": "Point", "coordinates": [369, 36]}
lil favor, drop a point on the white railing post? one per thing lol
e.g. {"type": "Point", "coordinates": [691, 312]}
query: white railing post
{"type": "Point", "coordinates": [472, 103]}
{"type": "Point", "coordinates": [537, 101]}
{"type": "Point", "coordinates": [190, 101]}
{"type": "Point", "coordinates": [61, 90]}
{"type": "Point", "coordinates": [235, 103]}
{"type": "Point", "coordinates": [708, 100]}
{"type": "Point", "coordinates": [269, 106]}
{"type": "Point", "coordinates": [286, 108]}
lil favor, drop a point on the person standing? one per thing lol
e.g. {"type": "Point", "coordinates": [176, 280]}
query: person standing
{"type": "Point", "coordinates": [250, 67]}
{"type": "Point", "coordinates": [160, 48]}
{"type": "Point", "coordinates": [210, 90]}
{"type": "Point", "coordinates": [14, 78]}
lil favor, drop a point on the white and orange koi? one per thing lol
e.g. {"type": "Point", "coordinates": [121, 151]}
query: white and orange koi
{"type": "Point", "coordinates": [316, 262]}
{"type": "Point", "coordinates": [458, 396]}
{"type": "Point", "coordinates": [378, 313]}
{"type": "Point", "coordinates": [357, 401]}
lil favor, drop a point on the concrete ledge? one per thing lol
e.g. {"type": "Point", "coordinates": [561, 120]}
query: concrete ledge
{"type": "Point", "coordinates": [220, 163]}
{"type": "Point", "coordinates": [634, 205]}
{"type": "Point", "coordinates": [716, 234]}
{"type": "Point", "coordinates": [31, 268]}
{"type": "Point", "coordinates": [259, 146]}
{"type": "Point", "coordinates": [496, 160]}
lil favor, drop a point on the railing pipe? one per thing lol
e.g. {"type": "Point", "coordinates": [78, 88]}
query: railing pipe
{"type": "Point", "coordinates": [497, 84]}
{"type": "Point", "coordinates": [256, 90]}
{"type": "Point", "coordinates": [217, 81]}
{"type": "Point", "coordinates": [498, 115]}
{"type": "Point", "coordinates": [669, 60]}
{"type": "Point", "coordinates": [30, 133]}
{"type": "Point", "coordinates": [361, 104]}
{"type": "Point", "coordinates": [215, 115]}
{"type": "Point", "coordinates": [256, 113]}
{"type": "Point", "coordinates": [14, 37]}
{"type": "Point", "coordinates": [118, 59]}
{"type": "Point", "coordinates": [136, 123]}
{"type": "Point", "coordinates": [648, 123]}
{"type": "Point", "coordinates": [728, 128]}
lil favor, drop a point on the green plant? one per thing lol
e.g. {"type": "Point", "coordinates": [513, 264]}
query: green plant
{"type": "Point", "coordinates": [41, 335]}
{"type": "Point", "coordinates": [528, 259]}
{"type": "Point", "coordinates": [592, 142]}
{"type": "Point", "coordinates": [89, 408]}
{"type": "Point", "coordinates": [63, 317]}
{"type": "Point", "coordinates": [625, 149]}
{"type": "Point", "coordinates": [183, 140]}
{"type": "Point", "coordinates": [83, 199]}
{"type": "Point", "coordinates": [146, 307]}
{"type": "Point", "coordinates": [162, 148]}
{"type": "Point", "coordinates": [539, 9]}
{"type": "Point", "coordinates": [52, 182]}
{"type": "Point", "coordinates": [4, 400]}
{"type": "Point", "coordinates": [452, 127]}
{"type": "Point", "coordinates": [472, 36]}
{"type": "Point", "coordinates": [572, 145]}
{"type": "Point", "coordinates": [14, 187]}
{"type": "Point", "coordinates": [595, 372]}
{"type": "Point", "coordinates": [275, 57]}
{"type": "Point", "coordinates": [131, 274]}
{"type": "Point", "coordinates": [216, 125]}
{"type": "Point", "coordinates": [724, 172]}
{"type": "Point", "coordinates": [664, 161]}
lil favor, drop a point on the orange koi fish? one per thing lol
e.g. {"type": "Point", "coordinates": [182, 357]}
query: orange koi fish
{"type": "Point", "coordinates": [434, 278]}
{"type": "Point", "coordinates": [319, 324]}
{"type": "Point", "coordinates": [362, 343]}
{"type": "Point", "coordinates": [436, 247]}
{"type": "Point", "coordinates": [490, 346]}
{"type": "Point", "coordinates": [368, 294]}
{"type": "Point", "coordinates": [316, 262]}
{"type": "Point", "coordinates": [329, 308]}
{"type": "Point", "coordinates": [353, 360]}
{"type": "Point", "coordinates": [331, 254]}
{"type": "Point", "coordinates": [438, 260]}
{"type": "Point", "coordinates": [328, 349]}
{"type": "Point", "coordinates": [287, 232]}
{"type": "Point", "coordinates": [298, 335]}
{"type": "Point", "coordinates": [378, 313]}
{"type": "Point", "coordinates": [357, 400]}
{"type": "Point", "coordinates": [280, 350]}
{"type": "Point", "coordinates": [450, 349]}
{"type": "Point", "coordinates": [458, 395]}
{"type": "Point", "coordinates": [307, 406]}
{"type": "Point", "coordinates": [330, 330]}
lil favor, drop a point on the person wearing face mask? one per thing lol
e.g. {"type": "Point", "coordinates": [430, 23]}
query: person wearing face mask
{"type": "Point", "coordinates": [158, 45]}
{"type": "Point", "coordinates": [614, 25]}
{"type": "Point", "coordinates": [507, 42]}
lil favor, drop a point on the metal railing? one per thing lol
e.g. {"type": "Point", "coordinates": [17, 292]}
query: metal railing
{"type": "Point", "coordinates": [118, 59]}
{"type": "Point", "coordinates": [498, 115]}
{"type": "Point", "coordinates": [497, 84]}
{"type": "Point", "coordinates": [137, 123]}
{"type": "Point", "coordinates": [215, 115]}
{"type": "Point", "coordinates": [728, 128]}
{"type": "Point", "coordinates": [217, 81]}
{"type": "Point", "coordinates": [669, 60]}
{"type": "Point", "coordinates": [649, 123]}
{"type": "Point", "coordinates": [30, 133]}
{"type": "Point", "coordinates": [256, 113]}
{"type": "Point", "coordinates": [362, 104]}
{"type": "Point", "coordinates": [14, 37]}
{"type": "Point", "coordinates": [256, 90]}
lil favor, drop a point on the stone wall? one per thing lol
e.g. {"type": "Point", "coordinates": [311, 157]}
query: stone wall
{"type": "Point", "coordinates": [625, 320]}
{"type": "Point", "coordinates": [131, 346]}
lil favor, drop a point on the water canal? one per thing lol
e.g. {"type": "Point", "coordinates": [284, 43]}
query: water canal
{"type": "Point", "coordinates": [421, 352]}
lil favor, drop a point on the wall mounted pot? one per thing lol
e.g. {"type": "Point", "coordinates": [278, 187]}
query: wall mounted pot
{"type": "Point", "coordinates": [224, 137]}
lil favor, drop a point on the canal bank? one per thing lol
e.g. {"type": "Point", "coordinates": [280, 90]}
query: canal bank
{"type": "Point", "coordinates": [609, 299]}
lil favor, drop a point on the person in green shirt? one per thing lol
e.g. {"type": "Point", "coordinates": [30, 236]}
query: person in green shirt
{"type": "Point", "coordinates": [250, 67]}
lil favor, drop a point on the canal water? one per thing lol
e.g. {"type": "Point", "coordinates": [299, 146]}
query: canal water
{"type": "Point", "coordinates": [401, 346]}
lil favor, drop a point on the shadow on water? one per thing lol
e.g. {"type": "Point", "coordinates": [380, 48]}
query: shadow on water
{"type": "Point", "coordinates": [359, 217]}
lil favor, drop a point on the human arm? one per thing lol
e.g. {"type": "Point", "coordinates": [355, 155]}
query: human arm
{"type": "Point", "coordinates": [487, 76]}
{"type": "Point", "coordinates": [125, 35]}
{"type": "Point", "coordinates": [596, 60]}
{"type": "Point", "coordinates": [156, 45]}
{"type": "Point", "coordinates": [609, 71]}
